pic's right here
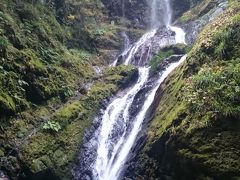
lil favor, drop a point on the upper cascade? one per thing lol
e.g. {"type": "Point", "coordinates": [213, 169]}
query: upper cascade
{"type": "Point", "coordinates": [161, 15]}
{"type": "Point", "coordinates": [159, 35]}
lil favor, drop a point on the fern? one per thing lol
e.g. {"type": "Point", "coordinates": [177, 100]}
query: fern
{"type": "Point", "coordinates": [52, 125]}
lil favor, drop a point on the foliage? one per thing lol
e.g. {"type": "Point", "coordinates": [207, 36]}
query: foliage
{"type": "Point", "coordinates": [216, 90]}
{"type": "Point", "coordinates": [198, 7]}
{"type": "Point", "coordinates": [84, 55]}
{"type": "Point", "coordinates": [225, 42]}
{"type": "Point", "coordinates": [67, 92]}
{"type": "Point", "coordinates": [166, 52]}
{"type": "Point", "coordinates": [3, 42]}
{"type": "Point", "coordinates": [199, 109]}
{"type": "Point", "coordinates": [159, 59]}
{"type": "Point", "coordinates": [39, 74]}
{"type": "Point", "coordinates": [52, 125]}
{"type": "Point", "coordinates": [100, 32]}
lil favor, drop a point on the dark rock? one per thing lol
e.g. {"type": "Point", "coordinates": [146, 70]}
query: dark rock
{"type": "Point", "coordinates": [135, 11]}
{"type": "Point", "coordinates": [3, 176]}
{"type": "Point", "coordinates": [47, 175]}
{"type": "Point", "coordinates": [120, 60]}
{"type": "Point", "coordinates": [194, 26]}
{"type": "Point", "coordinates": [179, 7]}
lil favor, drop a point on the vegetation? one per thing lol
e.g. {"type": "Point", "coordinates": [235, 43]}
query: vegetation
{"type": "Point", "coordinates": [165, 53]}
{"type": "Point", "coordinates": [216, 90]}
{"type": "Point", "coordinates": [159, 58]}
{"type": "Point", "coordinates": [49, 90]}
{"type": "Point", "coordinates": [197, 9]}
{"type": "Point", "coordinates": [197, 121]}
{"type": "Point", "coordinates": [52, 125]}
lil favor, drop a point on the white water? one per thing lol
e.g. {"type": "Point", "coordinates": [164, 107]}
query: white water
{"type": "Point", "coordinates": [180, 34]}
{"type": "Point", "coordinates": [126, 40]}
{"type": "Point", "coordinates": [123, 8]}
{"type": "Point", "coordinates": [104, 166]}
{"type": "Point", "coordinates": [125, 144]}
{"type": "Point", "coordinates": [154, 13]}
{"type": "Point", "coordinates": [145, 38]}
{"type": "Point", "coordinates": [130, 51]}
{"type": "Point", "coordinates": [118, 131]}
{"type": "Point", "coordinates": [162, 9]}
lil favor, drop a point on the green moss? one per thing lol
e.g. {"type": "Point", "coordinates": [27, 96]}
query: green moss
{"type": "Point", "coordinates": [197, 120]}
{"type": "Point", "coordinates": [196, 11]}
{"type": "Point", "coordinates": [165, 53]}
{"type": "Point", "coordinates": [7, 104]}
{"type": "Point", "coordinates": [41, 164]}
{"type": "Point", "coordinates": [3, 42]}
{"type": "Point", "coordinates": [69, 113]}
{"type": "Point", "coordinates": [171, 105]}
{"type": "Point", "coordinates": [1, 153]}
{"type": "Point", "coordinates": [61, 148]}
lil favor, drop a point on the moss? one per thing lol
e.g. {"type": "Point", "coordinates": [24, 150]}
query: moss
{"type": "Point", "coordinates": [69, 113]}
{"type": "Point", "coordinates": [3, 42]}
{"type": "Point", "coordinates": [200, 143]}
{"type": "Point", "coordinates": [61, 148]}
{"type": "Point", "coordinates": [200, 8]}
{"type": "Point", "coordinates": [1, 153]}
{"type": "Point", "coordinates": [41, 164]}
{"type": "Point", "coordinates": [165, 53]}
{"type": "Point", "coordinates": [7, 104]}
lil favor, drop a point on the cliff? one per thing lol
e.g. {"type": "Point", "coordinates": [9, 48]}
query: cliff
{"type": "Point", "coordinates": [194, 133]}
{"type": "Point", "coordinates": [53, 81]}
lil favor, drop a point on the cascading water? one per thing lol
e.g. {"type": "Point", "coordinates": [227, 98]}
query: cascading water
{"type": "Point", "coordinates": [161, 9]}
{"type": "Point", "coordinates": [106, 151]}
{"type": "Point", "coordinates": [123, 8]}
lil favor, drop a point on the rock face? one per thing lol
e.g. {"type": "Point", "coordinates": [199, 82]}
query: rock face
{"type": "Point", "coordinates": [133, 10]}
{"type": "Point", "coordinates": [191, 136]}
{"type": "Point", "coordinates": [179, 7]}
{"type": "Point", "coordinates": [194, 25]}
{"type": "Point", "coordinates": [44, 67]}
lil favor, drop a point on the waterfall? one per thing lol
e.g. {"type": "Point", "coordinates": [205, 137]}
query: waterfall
{"type": "Point", "coordinates": [160, 13]}
{"type": "Point", "coordinates": [123, 8]}
{"type": "Point", "coordinates": [162, 9]}
{"type": "Point", "coordinates": [110, 168]}
{"type": "Point", "coordinates": [105, 154]}
{"type": "Point", "coordinates": [126, 40]}
{"type": "Point", "coordinates": [154, 10]}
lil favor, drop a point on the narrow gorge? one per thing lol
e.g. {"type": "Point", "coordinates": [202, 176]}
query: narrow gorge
{"type": "Point", "coordinates": [120, 89]}
{"type": "Point", "coordinates": [121, 121]}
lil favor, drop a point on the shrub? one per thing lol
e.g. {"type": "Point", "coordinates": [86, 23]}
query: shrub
{"type": "Point", "coordinates": [3, 42]}
{"type": "Point", "coordinates": [52, 125]}
{"type": "Point", "coordinates": [159, 58]}
{"type": "Point", "coordinates": [100, 32]}
{"type": "Point", "coordinates": [217, 90]}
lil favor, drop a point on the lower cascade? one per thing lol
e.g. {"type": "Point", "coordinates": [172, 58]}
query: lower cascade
{"type": "Point", "coordinates": [115, 131]}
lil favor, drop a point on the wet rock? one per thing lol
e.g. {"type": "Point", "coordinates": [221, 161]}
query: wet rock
{"type": "Point", "coordinates": [134, 11]}
{"type": "Point", "coordinates": [169, 60]}
{"type": "Point", "coordinates": [162, 38]}
{"type": "Point", "coordinates": [131, 79]}
{"type": "Point", "coordinates": [194, 26]}
{"type": "Point", "coordinates": [3, 176]}
{"type": "Point", "coordinates": [120, 60]}
{"type": "Point", "coordinates": [179, 7]}
{"type": "Point", "coordinates": [84, 88]}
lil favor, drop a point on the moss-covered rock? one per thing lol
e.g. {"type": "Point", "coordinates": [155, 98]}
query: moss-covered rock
{"type": "Point", "coordinates": [185, 142]}
{"type": "Point", "coordinates": [47, 51]}
{"type": "Point", "coordinates": [41, 149]}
